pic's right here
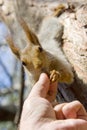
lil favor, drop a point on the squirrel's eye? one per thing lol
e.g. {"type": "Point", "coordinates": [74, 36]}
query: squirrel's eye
{"type": "Point", "coordinates": [23, 63]}
{"type": "Point", "coordinates": [40, 49]}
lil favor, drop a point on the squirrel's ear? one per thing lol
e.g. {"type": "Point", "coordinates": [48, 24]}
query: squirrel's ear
{"type": "Point", "coordinates": [29, 33]}
{"type": "Point", "coordinates": [13, 47]}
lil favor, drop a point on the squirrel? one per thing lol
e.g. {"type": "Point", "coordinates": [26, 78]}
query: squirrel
{"type": "Point", "coordinates": [43, 52]}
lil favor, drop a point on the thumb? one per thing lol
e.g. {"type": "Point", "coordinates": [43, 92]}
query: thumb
{"type": "Point", "coordinates": [41, 87]}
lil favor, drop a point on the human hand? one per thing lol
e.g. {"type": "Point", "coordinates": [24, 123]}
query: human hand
{"type": "Point", "coordinates": [38, 113]}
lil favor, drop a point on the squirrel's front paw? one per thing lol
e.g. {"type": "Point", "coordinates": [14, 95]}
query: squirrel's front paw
{"type": "Point", "coordinates": [54, 75]}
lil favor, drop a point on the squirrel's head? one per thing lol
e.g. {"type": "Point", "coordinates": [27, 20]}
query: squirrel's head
{"type": "Point", "coordinates": [32, 56]}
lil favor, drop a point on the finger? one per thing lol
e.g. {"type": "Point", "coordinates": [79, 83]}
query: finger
{"type": "Point", "coordinates": [58, 111]}
{"type": "Point", "coordinates": [41, 87]}
{"type": "Point", "coordinates": [74, 110]}
{"type": "Point", "coordinates": [51, 95]}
